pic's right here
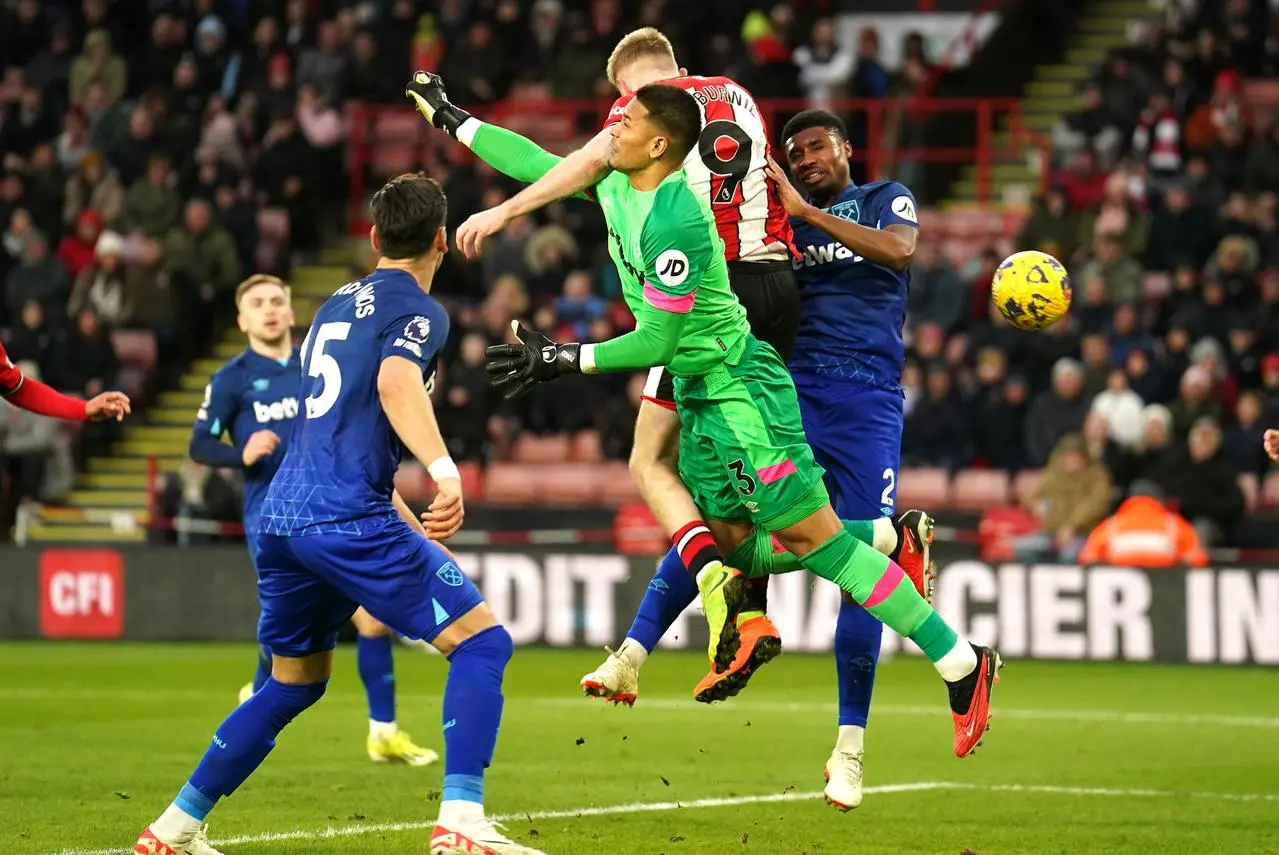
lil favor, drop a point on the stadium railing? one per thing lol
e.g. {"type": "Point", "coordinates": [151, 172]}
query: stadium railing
{"type": "Point", "coordinates": [386, 140]}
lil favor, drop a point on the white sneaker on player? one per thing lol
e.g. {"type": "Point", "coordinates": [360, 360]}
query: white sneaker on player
{"type": "Point", "coordinates": [246, 692]}
{"type": "Point", "coordinates": [616, 681]}
{"type": "Point", "coordinates": [198, 844]}
{"type": "Point", "coordinates": [844, 779]}
{"type": "Point", "coordinates": [480, 838]}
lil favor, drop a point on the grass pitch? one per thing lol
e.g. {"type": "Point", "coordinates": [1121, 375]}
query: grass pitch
{"type": "Point", "coordinates": [95, 741]}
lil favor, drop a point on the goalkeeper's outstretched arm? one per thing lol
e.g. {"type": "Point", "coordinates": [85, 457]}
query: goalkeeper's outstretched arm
{"type": "Point", "coordinates": [552, 177]}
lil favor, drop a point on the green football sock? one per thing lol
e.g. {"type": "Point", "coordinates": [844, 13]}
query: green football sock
{"type": "Point", "coordinates": [884, 590]}
{"type": "Point", "coordinates": [755, 556]}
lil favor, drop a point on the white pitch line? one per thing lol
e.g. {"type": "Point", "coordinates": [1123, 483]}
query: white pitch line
{"type": "Point", "coordinates": [1104, 716]}
{"type": "Point", "coordinates": [668, 703]}
{"type": "Point", "coordinates": [332, 833]}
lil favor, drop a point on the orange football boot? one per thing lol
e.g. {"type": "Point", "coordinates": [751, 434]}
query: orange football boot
{"type": "Point", "coordinates": [761, 644]}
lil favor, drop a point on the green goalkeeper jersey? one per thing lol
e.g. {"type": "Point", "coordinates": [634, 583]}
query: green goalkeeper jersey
{"type": "Point", "coordinates": [668, 254]}
{"type": "Point", "coordinates": [671, 262]}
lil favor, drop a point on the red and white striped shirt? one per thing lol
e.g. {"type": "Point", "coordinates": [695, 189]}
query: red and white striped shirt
{"type": "Point", "coordinates": [728, 166]}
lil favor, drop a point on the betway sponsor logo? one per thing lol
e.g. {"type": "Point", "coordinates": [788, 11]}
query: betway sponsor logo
{"type": "Point", "coordinates": [277, 411]}
{"type": "Point", "coordinates": [825, 254]}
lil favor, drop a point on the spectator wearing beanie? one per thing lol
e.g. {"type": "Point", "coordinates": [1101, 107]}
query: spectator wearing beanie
{"type": "Point", "coordinates": [103, 285]}
{"type": "Point", "coordinates": [95, 186]}
{"type": "Point", "coordinates": [1057, 411]}
{"type": "Point", "coordinates": [1194, 401]}
{"type": "Point", "coordinates": [938, 431]}
{"type": "Point", "coordinates": [1202, 482]}
{"type": "Point", "coordinates": [76, 249]}
{"type": "Point", "coordinates": [1243, 439]}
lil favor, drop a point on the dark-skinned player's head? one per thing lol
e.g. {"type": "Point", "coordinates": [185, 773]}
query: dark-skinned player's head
{"type": "Point", "coordinates": [408, 218]}
{"type": "Point", "coordinates": [660, 125]}
{"type": "Point", "coordinates": [817, 151]}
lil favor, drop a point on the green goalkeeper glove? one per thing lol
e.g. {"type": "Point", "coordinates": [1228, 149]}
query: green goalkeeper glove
{"type": "Point", "coordinates": [426, 90]}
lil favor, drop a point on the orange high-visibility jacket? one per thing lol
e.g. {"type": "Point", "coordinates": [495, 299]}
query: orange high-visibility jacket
{"type": "Point", "coordinates": [1143, 533]}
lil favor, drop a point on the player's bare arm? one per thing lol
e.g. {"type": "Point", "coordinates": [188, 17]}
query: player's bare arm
{"type": "Point", "coordinates": [408, 408]}
{"type": "Point", "coordinates": [893, 246]}
{"type": "Point", "coordinates": [550, 180]}
{"type": "Point", "coordinates": [406, 513]}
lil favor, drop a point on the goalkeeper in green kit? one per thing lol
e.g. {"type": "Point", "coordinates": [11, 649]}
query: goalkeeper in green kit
{"type": "Point", "coordinates": [742, 452]}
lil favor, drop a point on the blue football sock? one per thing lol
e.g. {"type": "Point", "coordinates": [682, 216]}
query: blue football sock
{"type": "Point", "coordinates": [857, 638]}
{"type": "Point", "coordinates": [473, 711]}
{"type": "Point", "coordinates": [242, 742]}
{"type": "Point", "coordinates": [671, 591]}
{"type": "Point", "coordinates": [264, 669]}
{"type": "Point", "coordinates": [377, 671]}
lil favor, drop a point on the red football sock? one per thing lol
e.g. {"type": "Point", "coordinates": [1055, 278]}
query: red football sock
{"type": "Point", "coordinates": [696, 547]}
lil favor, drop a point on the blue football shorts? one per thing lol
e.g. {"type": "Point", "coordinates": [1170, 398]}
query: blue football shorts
{"type": "Point", "coordinates": [855, 432]}
{"type": "Point", "coordinates": [310, 586]}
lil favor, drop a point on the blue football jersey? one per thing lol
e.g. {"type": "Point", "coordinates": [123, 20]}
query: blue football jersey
{"type": "Point", "coordinates": [250, 393]}
{"type": "Point", "coordinates": [340, 467]}
{"type": "Point", "coordinates": [853, 309]}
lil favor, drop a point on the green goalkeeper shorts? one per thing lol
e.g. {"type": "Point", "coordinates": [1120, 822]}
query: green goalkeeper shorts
{"type": "Point", "coordinates": [742, 454]}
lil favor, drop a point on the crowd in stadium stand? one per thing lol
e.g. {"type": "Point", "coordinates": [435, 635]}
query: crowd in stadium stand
{"type": "Point", "coordinates": [155, 152]}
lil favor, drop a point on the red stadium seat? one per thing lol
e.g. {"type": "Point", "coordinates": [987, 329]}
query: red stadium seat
{"type": "Point", "coordinates": [132, 381]}
{"type": "Point", "coordinates": [923, 488]}
{"type": "Point", "coordinates": [1270, 490]}
{"type": "Point", "coordinates": [511, 484]}
{"type": "Point", "coordinates": [1025, 483]}
{"type": "Point", "coordinates": [472, 479]}
{"type": "Point", "coordinates": [1155, 285]}
{"type": "Point", "coordinates": [541, 449]}
{"type": "Point", "coordinates": [979, 489]}
{"type": "Point", "coordinates": [586, 447]}
{"type": "Point", "coordinates": [616, 485]}
{"type": "Point", "coordinates": [932, 223]}
{"type": "Point", "coordinates": [1250, 487]}
{"type": "Point", "coordinates": [572, 484]}
{"type": "Point", "coordinates": [1012, 222]}
{"type": "Point", "coordinates": [412, 482]}
{"type": "Point", "coordinates": [135, 348]}
{"type": "Point", "coordinates": [273, 225]}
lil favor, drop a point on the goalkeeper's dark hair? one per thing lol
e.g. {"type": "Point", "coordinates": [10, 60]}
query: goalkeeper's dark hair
{"type": "Point", "coordinates": [815, 119]}
{"type": "Point", "coordinates": [675, 112]}
{"type": "Point", "coordinates": [407, 212]}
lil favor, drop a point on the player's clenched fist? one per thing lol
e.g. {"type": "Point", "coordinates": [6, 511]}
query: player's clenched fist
{"type": "Point", "coordinates": [107, 406]}
{"type": "Point", "coordinates": [516, 368]}
{"type": "Point", "coordinates": [444, 517]}
{"type": "Point", "coordinates": [1271, 442]}
{"type": "Point", "coordinates": [261, 444]}
{"type": "Point", "coordinates": [426, 91]}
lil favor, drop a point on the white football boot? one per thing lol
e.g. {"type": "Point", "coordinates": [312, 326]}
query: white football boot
{"type": "Point", "coordinates": [844, 779]}
{"type": "Point", "coordinates": [479, 838]}
{"type": "Point", "coordinates": [615, 680]}
{"type": "Point", "coordinates": [197, 844]}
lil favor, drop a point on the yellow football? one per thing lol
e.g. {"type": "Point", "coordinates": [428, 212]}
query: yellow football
{"type": "Point", "coordinates": [1031, 289]}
